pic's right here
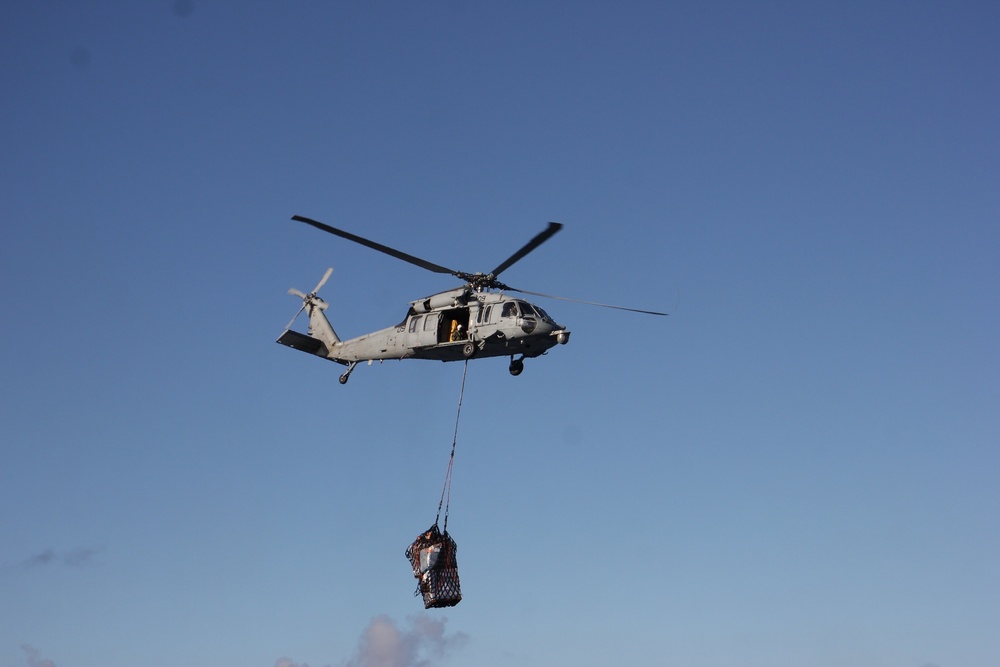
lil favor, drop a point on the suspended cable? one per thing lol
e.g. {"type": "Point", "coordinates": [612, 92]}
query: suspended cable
{"type": "Point", "coordinates": [446, 490]}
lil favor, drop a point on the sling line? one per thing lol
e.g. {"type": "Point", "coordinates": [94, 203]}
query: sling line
{"type": "Point", "coordinates": [446, 491]}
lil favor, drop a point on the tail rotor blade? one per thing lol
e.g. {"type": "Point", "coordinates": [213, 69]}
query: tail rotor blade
{"type": "Point", "coordinates": [322, 281]}
{"type": "Point", "coordinates": [297, 313]}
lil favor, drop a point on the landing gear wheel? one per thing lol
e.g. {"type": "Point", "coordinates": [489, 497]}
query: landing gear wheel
{"type": "Point", "coordinates": [347, 375]}
{"type": "Point", "coordinates": [516, 366]}
{"type": "Point", "coordinates": [469, 350]}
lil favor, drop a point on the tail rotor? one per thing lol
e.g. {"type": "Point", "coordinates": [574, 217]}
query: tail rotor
{"type": "Point", "coordinates": [311, 298]}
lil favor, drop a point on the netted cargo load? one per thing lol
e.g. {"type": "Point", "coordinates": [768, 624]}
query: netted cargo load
{"type": "Point", "coordinates": [435, 566]}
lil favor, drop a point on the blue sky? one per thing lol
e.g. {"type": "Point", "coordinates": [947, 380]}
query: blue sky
{"type": "Point", "coordinates": [796, 468]}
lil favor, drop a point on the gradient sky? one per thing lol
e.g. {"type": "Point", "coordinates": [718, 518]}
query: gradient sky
{"type": "Point", "coordinates": [797, 468]}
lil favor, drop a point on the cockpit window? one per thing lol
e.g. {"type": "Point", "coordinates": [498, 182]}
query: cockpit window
{"type": "Point", "coordinates": [542, 314]}
{"type": "Point", "coordinates": [530, 310]}
{"type": "Point", "coordinates": [526, 309]}
{"type": "Point", "coordinates": [509, 309]}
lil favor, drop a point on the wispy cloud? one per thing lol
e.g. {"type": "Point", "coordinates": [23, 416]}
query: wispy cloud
{"type": "Point", "coordinates": [75, 558]}
{"type": "Point", "coordinates": [384, 644]}
{"type": "Point", "coordinates": [422, 642]}
{"type": "Point", "coordinates": [34, 660]}
{"type": "Point", "coordinates": [285, 662]}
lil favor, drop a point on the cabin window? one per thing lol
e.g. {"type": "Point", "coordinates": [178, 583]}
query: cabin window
{"type": "Point", "coordinates": [430, 323]}
{"type": "Point", "coordinates": [414, 321]}
{"type": "Point", "coordinates": [489, 310]}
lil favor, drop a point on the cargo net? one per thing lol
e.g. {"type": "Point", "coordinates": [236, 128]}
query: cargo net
{"type": "Point", "coordinates": [435, 566]}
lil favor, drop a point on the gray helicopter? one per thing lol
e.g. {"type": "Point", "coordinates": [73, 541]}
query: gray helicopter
{"type": "Point", "coordinates": [476, 320]}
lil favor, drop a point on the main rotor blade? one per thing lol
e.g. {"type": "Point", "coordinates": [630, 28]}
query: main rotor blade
{"type": "Point", "coordinates": [589, 303]}
{"type": "Point", "coordinates": [422, 263]}
{"type": "Point", "coordinates": [541, 238]}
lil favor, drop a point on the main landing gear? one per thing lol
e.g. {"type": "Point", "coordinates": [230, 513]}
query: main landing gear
{"type": "Point", "coordinates": [347, 374]}
{"type": "Point", "coordinates": [516, 366]}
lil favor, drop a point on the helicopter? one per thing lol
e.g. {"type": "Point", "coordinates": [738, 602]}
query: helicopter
{"type": "Point", "coordinates": [476, 320]}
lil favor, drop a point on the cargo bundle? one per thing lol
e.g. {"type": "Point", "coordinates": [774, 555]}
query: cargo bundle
{"type": "Point", "coordinates": [433, 556]}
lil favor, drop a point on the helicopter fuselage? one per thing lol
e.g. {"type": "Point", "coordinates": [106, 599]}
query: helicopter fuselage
{"type": "Point", "coordinates": [448, 326]}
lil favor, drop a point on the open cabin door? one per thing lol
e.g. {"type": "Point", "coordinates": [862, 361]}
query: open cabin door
{"type": "Point", "coordinates": [454, 325]}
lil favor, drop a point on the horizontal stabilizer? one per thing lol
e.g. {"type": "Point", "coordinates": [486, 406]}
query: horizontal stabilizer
{"type": "Point", "coordinates": [297, 341]}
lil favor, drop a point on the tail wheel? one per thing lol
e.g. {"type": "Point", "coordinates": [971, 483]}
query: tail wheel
{"type": "Point", "coordinates": [347, 375]}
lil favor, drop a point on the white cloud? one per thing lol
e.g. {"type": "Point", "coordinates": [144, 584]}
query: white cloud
{"type": "Point", "coordinates": [285, 662]}
{"type": "Point", "coordinates": [420, 643]}
{"type": "Point", "coordinates": [33, 658]}
{"type": "Point", "coordinates": [384, 644]}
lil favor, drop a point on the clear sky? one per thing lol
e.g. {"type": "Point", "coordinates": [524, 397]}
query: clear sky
{"type": "Point", "coordinates": [797, 468]}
